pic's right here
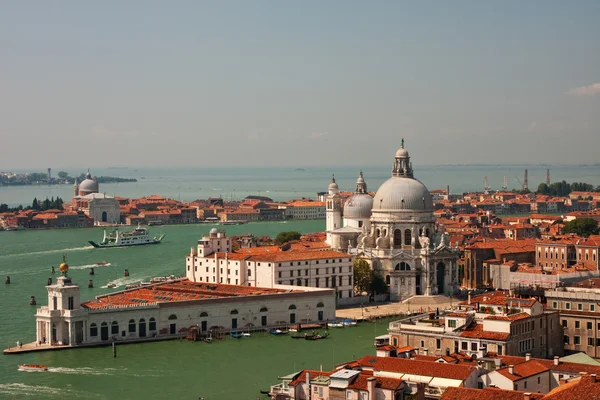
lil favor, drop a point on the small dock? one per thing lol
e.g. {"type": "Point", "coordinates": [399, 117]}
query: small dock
{"type": "Point", "coordinates": [420, 304]}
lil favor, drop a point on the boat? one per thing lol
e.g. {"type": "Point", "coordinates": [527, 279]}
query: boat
{"type": "Point", "coordinates": [236, 335]}
{"type": "Point", "coordinates": [265, 392]}
{"type": "Point", "coordinates": [298, 335]}
{"type": "Point", "coordinates": [246, 334]}
{"type": "Point", "coordinates": [136, 285]}
{"type": "Point", "coordinates": [137, 237]}
{"type": "Point", "coordinates": [154, 223]}
{"type": "Point", "coordinates": [316, 336]}
{"type": "Point", "coordinates": [335, 324]}
{"type": "Point", "coordinates": [349, 322]}
{"type": "Point", "coordinates": [162, 279]}
{"type": "Point", "coordinates": [277, 332]}
{"type": "Point", "coordinates": [13, 228]}
{"type": "Point", "coordinates": [111, 285]}
{"type": "Point", "coordinates": [239, 222]}
{"type": "Point", "coordinates": [32, 368]}
{"type": "Point", "coordinates": [292, 330]}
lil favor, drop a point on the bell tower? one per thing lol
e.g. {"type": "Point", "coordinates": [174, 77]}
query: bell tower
{"type": "Point", "coordinates": [333, 210]}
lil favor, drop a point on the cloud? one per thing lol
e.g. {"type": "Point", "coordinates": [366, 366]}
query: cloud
{"type": "Point", "coordinates": [253, 136]}
{"type": "Point", "coordinates": [589, 90]}
{"type": "Point", "coordinates": [318, 135]}
{"type": "Point", "coordinates": [113, 133]}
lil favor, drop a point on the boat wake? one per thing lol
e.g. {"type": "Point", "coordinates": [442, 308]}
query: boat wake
{"type": "Point", "coordinates": [117, 283]}
{"type": "Point", "coordinates": [88, 266]}
{"type": "Point", "coordinates": [36, 391]}
{"type": "Point", "coordinates": [86, 371]}
{"type": "Point", "coordinates": [49, 251]}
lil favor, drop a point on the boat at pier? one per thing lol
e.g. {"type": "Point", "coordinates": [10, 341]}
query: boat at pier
{"type": "Point", "coordinates": [277, 332]}
{"type": "Point", "coordinates": [32, 368]}
{"type": "Point", "coordinates": [316, 336]}
{"type": "Point", "coordinates": [335, 324]}
{"type": "Point", "coordinates": [137, 237]}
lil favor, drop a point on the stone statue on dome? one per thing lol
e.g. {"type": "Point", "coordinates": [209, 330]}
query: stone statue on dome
{"type": "Point", "coordinates": [424, 240]}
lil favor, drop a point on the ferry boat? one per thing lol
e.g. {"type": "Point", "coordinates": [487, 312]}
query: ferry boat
{"type": "Point", "coordinates": [32, 368]}
{"type": "Point", "coordinates": [137, 237]}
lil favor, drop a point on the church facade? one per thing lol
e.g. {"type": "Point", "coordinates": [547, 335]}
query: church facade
{"type": "Point", "coordinates": [102, 208]}
{"type": "Point", "coordinates": [395, 232]}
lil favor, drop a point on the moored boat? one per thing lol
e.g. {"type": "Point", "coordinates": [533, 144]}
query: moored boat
{"type": "Point", "coordinates": [317, 336]}
{"type": "Point", "coordinates": [349, 322]}
{"type": "Point", "coordinates": [32, 368]}
{"type": "Point", "coordinates": [335, 324]}
{"type": "Point", "coordinates": [298, 335]}
{"type": "Point", "coordinates": [277, 332]}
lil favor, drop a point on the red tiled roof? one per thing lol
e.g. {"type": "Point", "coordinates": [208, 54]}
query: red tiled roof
{"type": "Point", "coordinates": [587, 387]}
{"type": "Point", "coordinates": [512, 317]}
{"type": "Point", "coordinates": [414, 367]}
{"type": "Point", "coordinates": [460, 393]}
{"type": "Point", "coordinates": [360, 382]}
{"type": "Point", "coordinates": [477, 332]}
{"type": "Point", "coordinates": [299, 255]}
{"type": "Point", "coordinates": [313, 374]}
{"type": "Point", "coordinates": [524, 370]}
{"type": "Point", "coordinates": [183, 290]}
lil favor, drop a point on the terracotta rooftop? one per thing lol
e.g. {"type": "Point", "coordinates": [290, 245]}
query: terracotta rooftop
{"type": "Point", "coordinates": [182, 290]}
{"type": "Point", "coordinates": [524, 370]}
{"type": "Point", "coordinates": [512, 317]}
{"type": "Point", "coordinates": [313, 374]}
{"type": "Point", "coordinates": [360, 382]}
{"type": "Point", "coordinates": [587, 387]}
{"type": "Point", "coordinates": [460, 393]}
{"type": "Point", "coordinates": [414, 367]}
{"type": "Point", "coordinates": [587, 283]}
{"type": "Point", "coordinates": [299, 255]}
{"type": "Point", "coordinates": [476, 332]}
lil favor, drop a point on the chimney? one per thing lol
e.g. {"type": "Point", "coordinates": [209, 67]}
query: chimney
{"type": "Point", "coordinates": [556, 360]}
{"type": "Point", "coordinates": [527, 356]}
{"type": "Point", "coordinates": [308, 380]}
{"type": "Point", "coordinates": [469, 299]}
{"type": "Point", "coordinates": [511, 369]}
{"type": "Point", "coordinates": [526, 396]}
{"type": "Point", "coordinates": [371, 387]}
{"type": "Point", "coordinates": [425, 351]}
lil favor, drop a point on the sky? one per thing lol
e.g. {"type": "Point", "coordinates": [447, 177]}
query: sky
{"type": "Point", "coordinates": [278, 83]}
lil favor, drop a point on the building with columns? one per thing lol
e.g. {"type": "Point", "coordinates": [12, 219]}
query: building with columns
{"type": "Point", "coordinates": [99, 206]}
{"type": "Point", "coordinates": [395, 232]}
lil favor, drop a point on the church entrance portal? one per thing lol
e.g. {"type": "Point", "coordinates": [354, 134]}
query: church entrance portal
{"type": "Point", "coordinates": [104, 216]}
{"type": "Point", "coordinates": [440, 274]}
{"type": "Point", "coordinates": [418, 284]}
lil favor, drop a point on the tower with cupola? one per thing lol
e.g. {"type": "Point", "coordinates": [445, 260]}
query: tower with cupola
{"type": "Point", "coordinates": [333, 210]}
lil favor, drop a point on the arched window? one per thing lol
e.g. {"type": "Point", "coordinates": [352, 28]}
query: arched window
{"type": "Point", "coordinates": [114, 328]}
{"type": "Point", "coordinates": [319, 305]}
{"type": "Point", "coordinates": [397, 238]}
{"type": "Point", "coordinates": [378, 232]}
{"type": "Point", "coordinates": [172, 316]}
{"type": "Point", "coordinates": [264, 309]}
{"type": "Point", "coordinates": [93, 330]}
{"type": "Point", "coordinates": [387, 279]}
{"type": "Point", "coordinates": [385, 232]}
{"type": "Point", "coordinates": [407, 238]}
{"type": "Point", "coordinates": [203, 314]}
{"type": "Point", "coordinates": [292, 307]}
{"type": "Point", "coordinates": [152, 324]}
{"type": "Point", "coordinates": [234, 312]}
{"type": "Point", "coordinates": [131, 326]}
{"type": "Point", "coordinates": [402, 266]}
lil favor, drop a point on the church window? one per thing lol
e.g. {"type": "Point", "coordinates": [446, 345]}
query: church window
{"type": "Point", "coordinates": [387, 279]}
{"type": "Point", "coordinates": [397, 238]}
{"type": "Point", "coordinates": [407, 238]}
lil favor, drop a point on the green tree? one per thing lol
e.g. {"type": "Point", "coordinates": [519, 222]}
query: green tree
{"type": "Point", "coordinates": [582, 227]}
{"type": "Point", "coordinates": [285, 237]}
{"type": "Point", "coordinates": [35, 204]}
{"type": "Point", "coordinates": [362, 275]}
{"type": "Point", "coordinates": [543, 188]}
{"type": "Point", "coordinates": [378, 285]}
{"type": "Point", "coordinates": [63, 175]}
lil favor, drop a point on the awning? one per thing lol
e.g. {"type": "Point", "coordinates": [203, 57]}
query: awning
{"type": "Point", "coordinates": [444, 382]}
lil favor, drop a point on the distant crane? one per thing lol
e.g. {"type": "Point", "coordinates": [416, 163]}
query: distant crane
{"type": "Point", "coordinates": [505, 186]}
{"type": "Point", "coordinates": [486, 185]}
{"type": "Point", "coordinates": [547, 176]}
{"type": "Point", "coordinates": [525, 185]}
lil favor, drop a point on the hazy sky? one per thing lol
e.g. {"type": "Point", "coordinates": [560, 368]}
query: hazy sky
{"type": "Point", "coordinates": [194, 83]}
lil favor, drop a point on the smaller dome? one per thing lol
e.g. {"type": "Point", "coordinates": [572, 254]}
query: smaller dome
{"type": "Point", "coordinates": [333, 187]}
{"type": "Point", "coordinates": [402, 153]}
{"type": "Point", "coordinates": [358, 206]}
{"type": "Point", "coordinates": [64, 267]}
{"type": "Point", "coordinates": [214, 231]}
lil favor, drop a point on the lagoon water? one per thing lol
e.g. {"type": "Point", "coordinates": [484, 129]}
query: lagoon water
{"type": "Point", "coordinates": [229, 369]}
{"type": "Point", "coordinates": [188, 184]}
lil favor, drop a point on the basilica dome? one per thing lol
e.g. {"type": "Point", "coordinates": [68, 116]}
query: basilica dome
{"type": "Point", "coordinates": [402, 192]}
{"type": "Point", "coordinates": [358, 206]}
{"type": "Point", "coordinates": [88, 185]}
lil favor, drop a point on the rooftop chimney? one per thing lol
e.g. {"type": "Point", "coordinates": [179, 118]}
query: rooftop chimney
{"type": "Point", "coordinates": [527, 356]}
{"type": "Point", "coordinates": [556, 360]}
{"type": "Point", "coordinates": [425, 351]}
{"type": "Point", "coordinates": [511, 369]}
{"type": "Point", "coordinates": [308, 380]}
{"type": "Point", "coordinates": [526, 396]}
{"type": "Point", "coordinates": [371, 387]}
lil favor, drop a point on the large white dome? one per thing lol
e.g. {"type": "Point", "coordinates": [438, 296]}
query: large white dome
{"type": "Point", "coordinates": [88, 185]}
{"type": "Point", "coordinates": [402, 194]}
{"type": "Point", "coordinates": [358, 206]}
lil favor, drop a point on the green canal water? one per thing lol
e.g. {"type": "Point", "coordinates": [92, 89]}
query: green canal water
{"type": "Point", "coordinates": [228, 369]}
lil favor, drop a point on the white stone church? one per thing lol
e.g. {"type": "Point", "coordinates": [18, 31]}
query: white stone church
{"type": "Point", "coordinates": [395, 232]}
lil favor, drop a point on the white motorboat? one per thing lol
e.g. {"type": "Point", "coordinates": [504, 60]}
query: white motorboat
{"type": "Point", "coordinates": [335, 324]}
{"type": "Point", "coordinates": [137, 237]}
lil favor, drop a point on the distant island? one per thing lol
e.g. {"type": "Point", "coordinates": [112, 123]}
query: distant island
{"type": "Point", "coordinates": [40, 178]}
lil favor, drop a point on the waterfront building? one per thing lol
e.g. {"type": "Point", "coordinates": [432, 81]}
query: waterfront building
{"type": "Point", "coordinates": [494, 322]}
{"type": "Point", "coordinates": [579, 307]}
{"type": "Point", "coordinates": [398, 236]}
{"type": "Point", "coordinates": [99, 206]}
{"type": "Point", "coordinates": [306, 265]}
{"type": "Point", "coordinates": [170, 309]}
{"type": "Point", "coordinates": [304, 209]}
